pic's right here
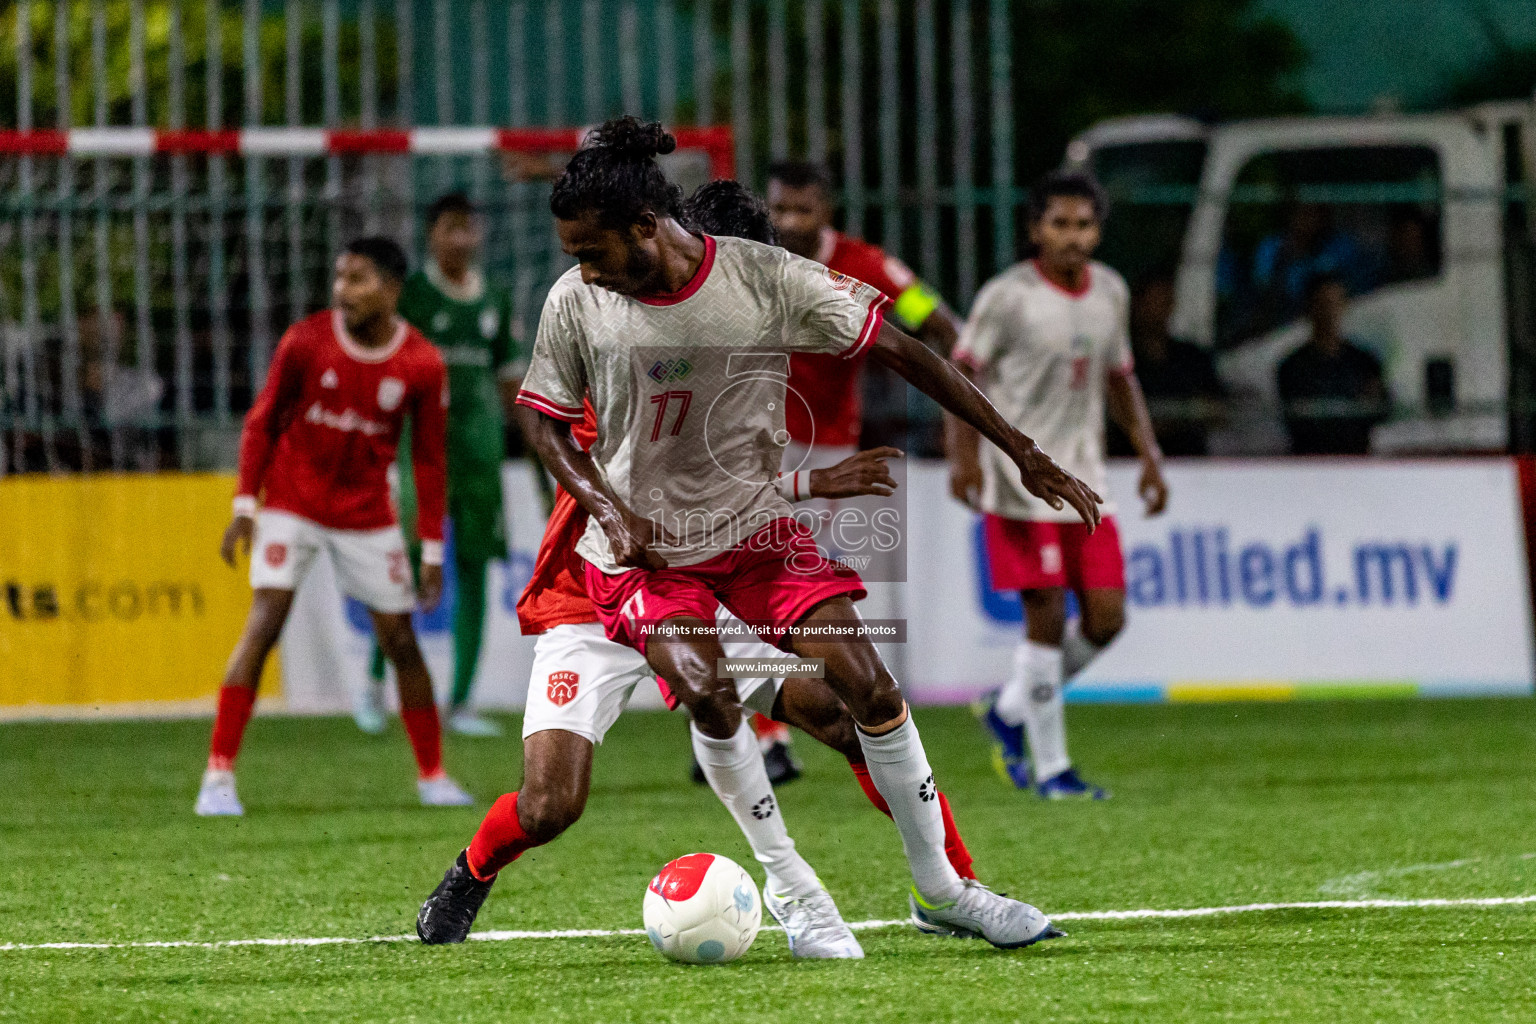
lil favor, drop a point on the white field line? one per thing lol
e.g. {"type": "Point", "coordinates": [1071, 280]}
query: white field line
{"type": "Point", "coordinates": [604, 933]}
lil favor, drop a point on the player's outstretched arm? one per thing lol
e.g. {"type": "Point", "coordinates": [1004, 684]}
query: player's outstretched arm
{"type": "Point", "coordinates": [946, 385]}
{"type": "Point", "coordinates": [859, 474]}
{"type": "Point", "coordinates": [630, 535]}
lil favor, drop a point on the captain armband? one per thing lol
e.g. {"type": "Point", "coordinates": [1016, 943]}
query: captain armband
{"type": "Point", "coordinates": [915, 305]}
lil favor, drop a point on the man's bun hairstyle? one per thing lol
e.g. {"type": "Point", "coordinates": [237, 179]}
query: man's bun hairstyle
{"type": "Point", "coordinates": [632, 138]}
{"type": "Point", "coordinates": [615, 175]}
{"type": "Point", "coordinates": [384, 253]}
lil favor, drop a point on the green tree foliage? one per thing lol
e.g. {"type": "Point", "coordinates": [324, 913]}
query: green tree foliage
{"type": "Point", "coordinates": [157, 64]}
{"type": "Point", "coordinates": [1076, 63]}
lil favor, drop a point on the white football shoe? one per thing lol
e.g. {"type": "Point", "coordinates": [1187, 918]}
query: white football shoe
{"type": "Point", "coordinates": [442, 792]}
{"type": "Point", "coordinates": [814, 928]}
{"type": "Point", "coordinates": [464, 722]}
{"type": "Point", "coordinates": [368, 708]}
{"type": "Point", "coordinates": [216, 796]}
{"type": "Point", "coordinates": [981, 913]}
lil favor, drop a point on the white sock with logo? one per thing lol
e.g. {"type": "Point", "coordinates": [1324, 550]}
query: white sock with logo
{"type": "Point", "coordinates": [1076, 650]}
{"type": "Point", "coordinates": [1013, 699]}
{"type": "Point", "coordinates": [734, 768]}
{"type": "Point", "coordinates": [1044, 713]}
{"type": "Point", "coordinates": [898, 766]}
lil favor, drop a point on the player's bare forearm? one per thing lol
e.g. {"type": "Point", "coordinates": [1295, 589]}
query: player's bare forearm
{"type": "Point", "coordinates": [963, 446]}
{"type": "Point", "coordinates": [571, 467]}
{"type": "Point", "coordinates": [1128, 408]}
{"type": "Point", "coordinates": [629, 535]}
{"type": "Point", "coordinates": [962, 442]}
{"type": "Point", "coordinates": [941, 330]}
{"type": "Point", "coordinates": [942, 382]}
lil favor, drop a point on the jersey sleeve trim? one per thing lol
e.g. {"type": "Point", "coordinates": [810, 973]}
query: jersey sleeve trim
{"type": "Point", "coordinates": [534, 400]}
{"type": "Point", "coordinates": [872, 321]}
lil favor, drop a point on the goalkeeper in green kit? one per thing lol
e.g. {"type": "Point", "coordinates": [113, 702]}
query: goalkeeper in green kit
{"type": "Point", "coordinates": [470, 322]}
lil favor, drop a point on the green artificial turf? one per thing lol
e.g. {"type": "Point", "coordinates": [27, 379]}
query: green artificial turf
{"type": "Point", "coordinates": [1214, 805]}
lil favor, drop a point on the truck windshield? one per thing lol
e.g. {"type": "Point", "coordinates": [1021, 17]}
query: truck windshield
{"type": "Point", "coordinates": [1366, 215]}
{"type": "Point", "coordinates": [1152, 187]}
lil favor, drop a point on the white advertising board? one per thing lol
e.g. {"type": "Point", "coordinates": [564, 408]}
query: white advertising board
{"type": "Point", "coordinates": [1270, 578]}
{"type": "Point", "coordinates": [1263, 579]}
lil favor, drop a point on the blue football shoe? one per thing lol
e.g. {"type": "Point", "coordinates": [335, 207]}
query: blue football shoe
{"type": "Point", "coordinates": [1068, 785]}
{"type": "Point", "coordinates": [1010, 755]}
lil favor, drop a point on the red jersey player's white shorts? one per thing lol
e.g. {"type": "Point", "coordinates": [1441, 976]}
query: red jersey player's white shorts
{"type": "Point", "coordinates": [1027, 555]}
{"type": "Point", "coordinates": [582, 681]}
{"type": "Point", "coordinates": [371, 565]}
{"type": "Point", "coordinates": [770, 581]}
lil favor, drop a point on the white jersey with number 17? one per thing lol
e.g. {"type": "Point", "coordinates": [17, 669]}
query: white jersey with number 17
{"type": "Point", "coordinates": [689, 388]}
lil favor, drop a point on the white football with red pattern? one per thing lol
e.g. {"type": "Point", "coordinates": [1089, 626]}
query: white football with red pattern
{"type": "Point", "coordinates": [702, 909]}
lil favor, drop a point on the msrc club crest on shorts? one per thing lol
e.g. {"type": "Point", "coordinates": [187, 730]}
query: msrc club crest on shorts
{"type": "Point", "coordinates": [276, 554]}
{"type": "Point", "coordinates": [562, 687]}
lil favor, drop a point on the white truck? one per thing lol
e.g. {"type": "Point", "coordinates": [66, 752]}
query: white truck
{"type": "Point", "coordinates": [1429, 218]}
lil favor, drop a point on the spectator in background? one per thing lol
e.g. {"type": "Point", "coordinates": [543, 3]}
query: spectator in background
{"type": "Point", "coordinates": [1176, 376]}
{"type": "Point", "coordinates": [1332, 390]}
{"type": "Point", "coordinates": [1311, 244]}
{"type": "Point", "coordinates": [1411, 254]}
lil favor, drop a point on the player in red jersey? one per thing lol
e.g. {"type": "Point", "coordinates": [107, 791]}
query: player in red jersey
{"type": "Point", "coordinates": [314, 454]}
{"type": "Point", "coordinates": [646, 287]}
{"type": "Point", "coordinates": [800, 205]}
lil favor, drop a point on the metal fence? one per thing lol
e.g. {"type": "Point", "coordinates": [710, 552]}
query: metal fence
{"type": "Point", "coordinates": [143, 283]}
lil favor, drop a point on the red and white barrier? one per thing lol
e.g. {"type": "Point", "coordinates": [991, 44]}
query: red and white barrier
{"type": "Point", "coordinates": [716, 141]}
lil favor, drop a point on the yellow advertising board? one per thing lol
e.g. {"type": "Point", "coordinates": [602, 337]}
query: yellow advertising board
{"type": "Point", "coordinates": [112, 594]}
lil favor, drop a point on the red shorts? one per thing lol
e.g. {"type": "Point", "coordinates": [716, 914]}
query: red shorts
{"type": "Point", "coordinates": [769, 581]}
{"type": "Point", "coordinates": [1036, 556]}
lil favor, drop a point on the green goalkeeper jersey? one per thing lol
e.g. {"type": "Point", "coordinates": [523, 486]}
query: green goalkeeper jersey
{"type": "Point", "coordinates": [472, 329]}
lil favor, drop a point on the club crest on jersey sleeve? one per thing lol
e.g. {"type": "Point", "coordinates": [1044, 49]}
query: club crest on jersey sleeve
{"type": "Point", "coordinates": [842, 282]}
{"type": "Point", "coordinates": [391, 392]}
{"type": "Point", "coordinates": [562, 687]}
{"type": "Point", "coordinates": [328, 379]}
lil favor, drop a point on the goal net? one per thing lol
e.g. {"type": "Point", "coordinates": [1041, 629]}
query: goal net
{"type": "Point", "coordinates": [145, 275]}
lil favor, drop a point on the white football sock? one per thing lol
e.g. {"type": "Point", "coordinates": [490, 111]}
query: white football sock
{"type": "Point", "coordinates": [1013, 699]}
{"type": "Point", "coordinates": [1076, 650]}
{"type": "Point", "coordinates": [1045, 719]}
{"type": "Point", "coordinates": [734, 768]}
{"type": "Point", "coordinates": [899, 769]}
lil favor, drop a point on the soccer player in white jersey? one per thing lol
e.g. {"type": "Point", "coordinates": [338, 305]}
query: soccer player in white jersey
{"type": "Point", "coordinates": [685, 515]}
{"type": "Point", "coordinates": [1048, 341]}
{"type": "Point", "coordinates": [581, 681]}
